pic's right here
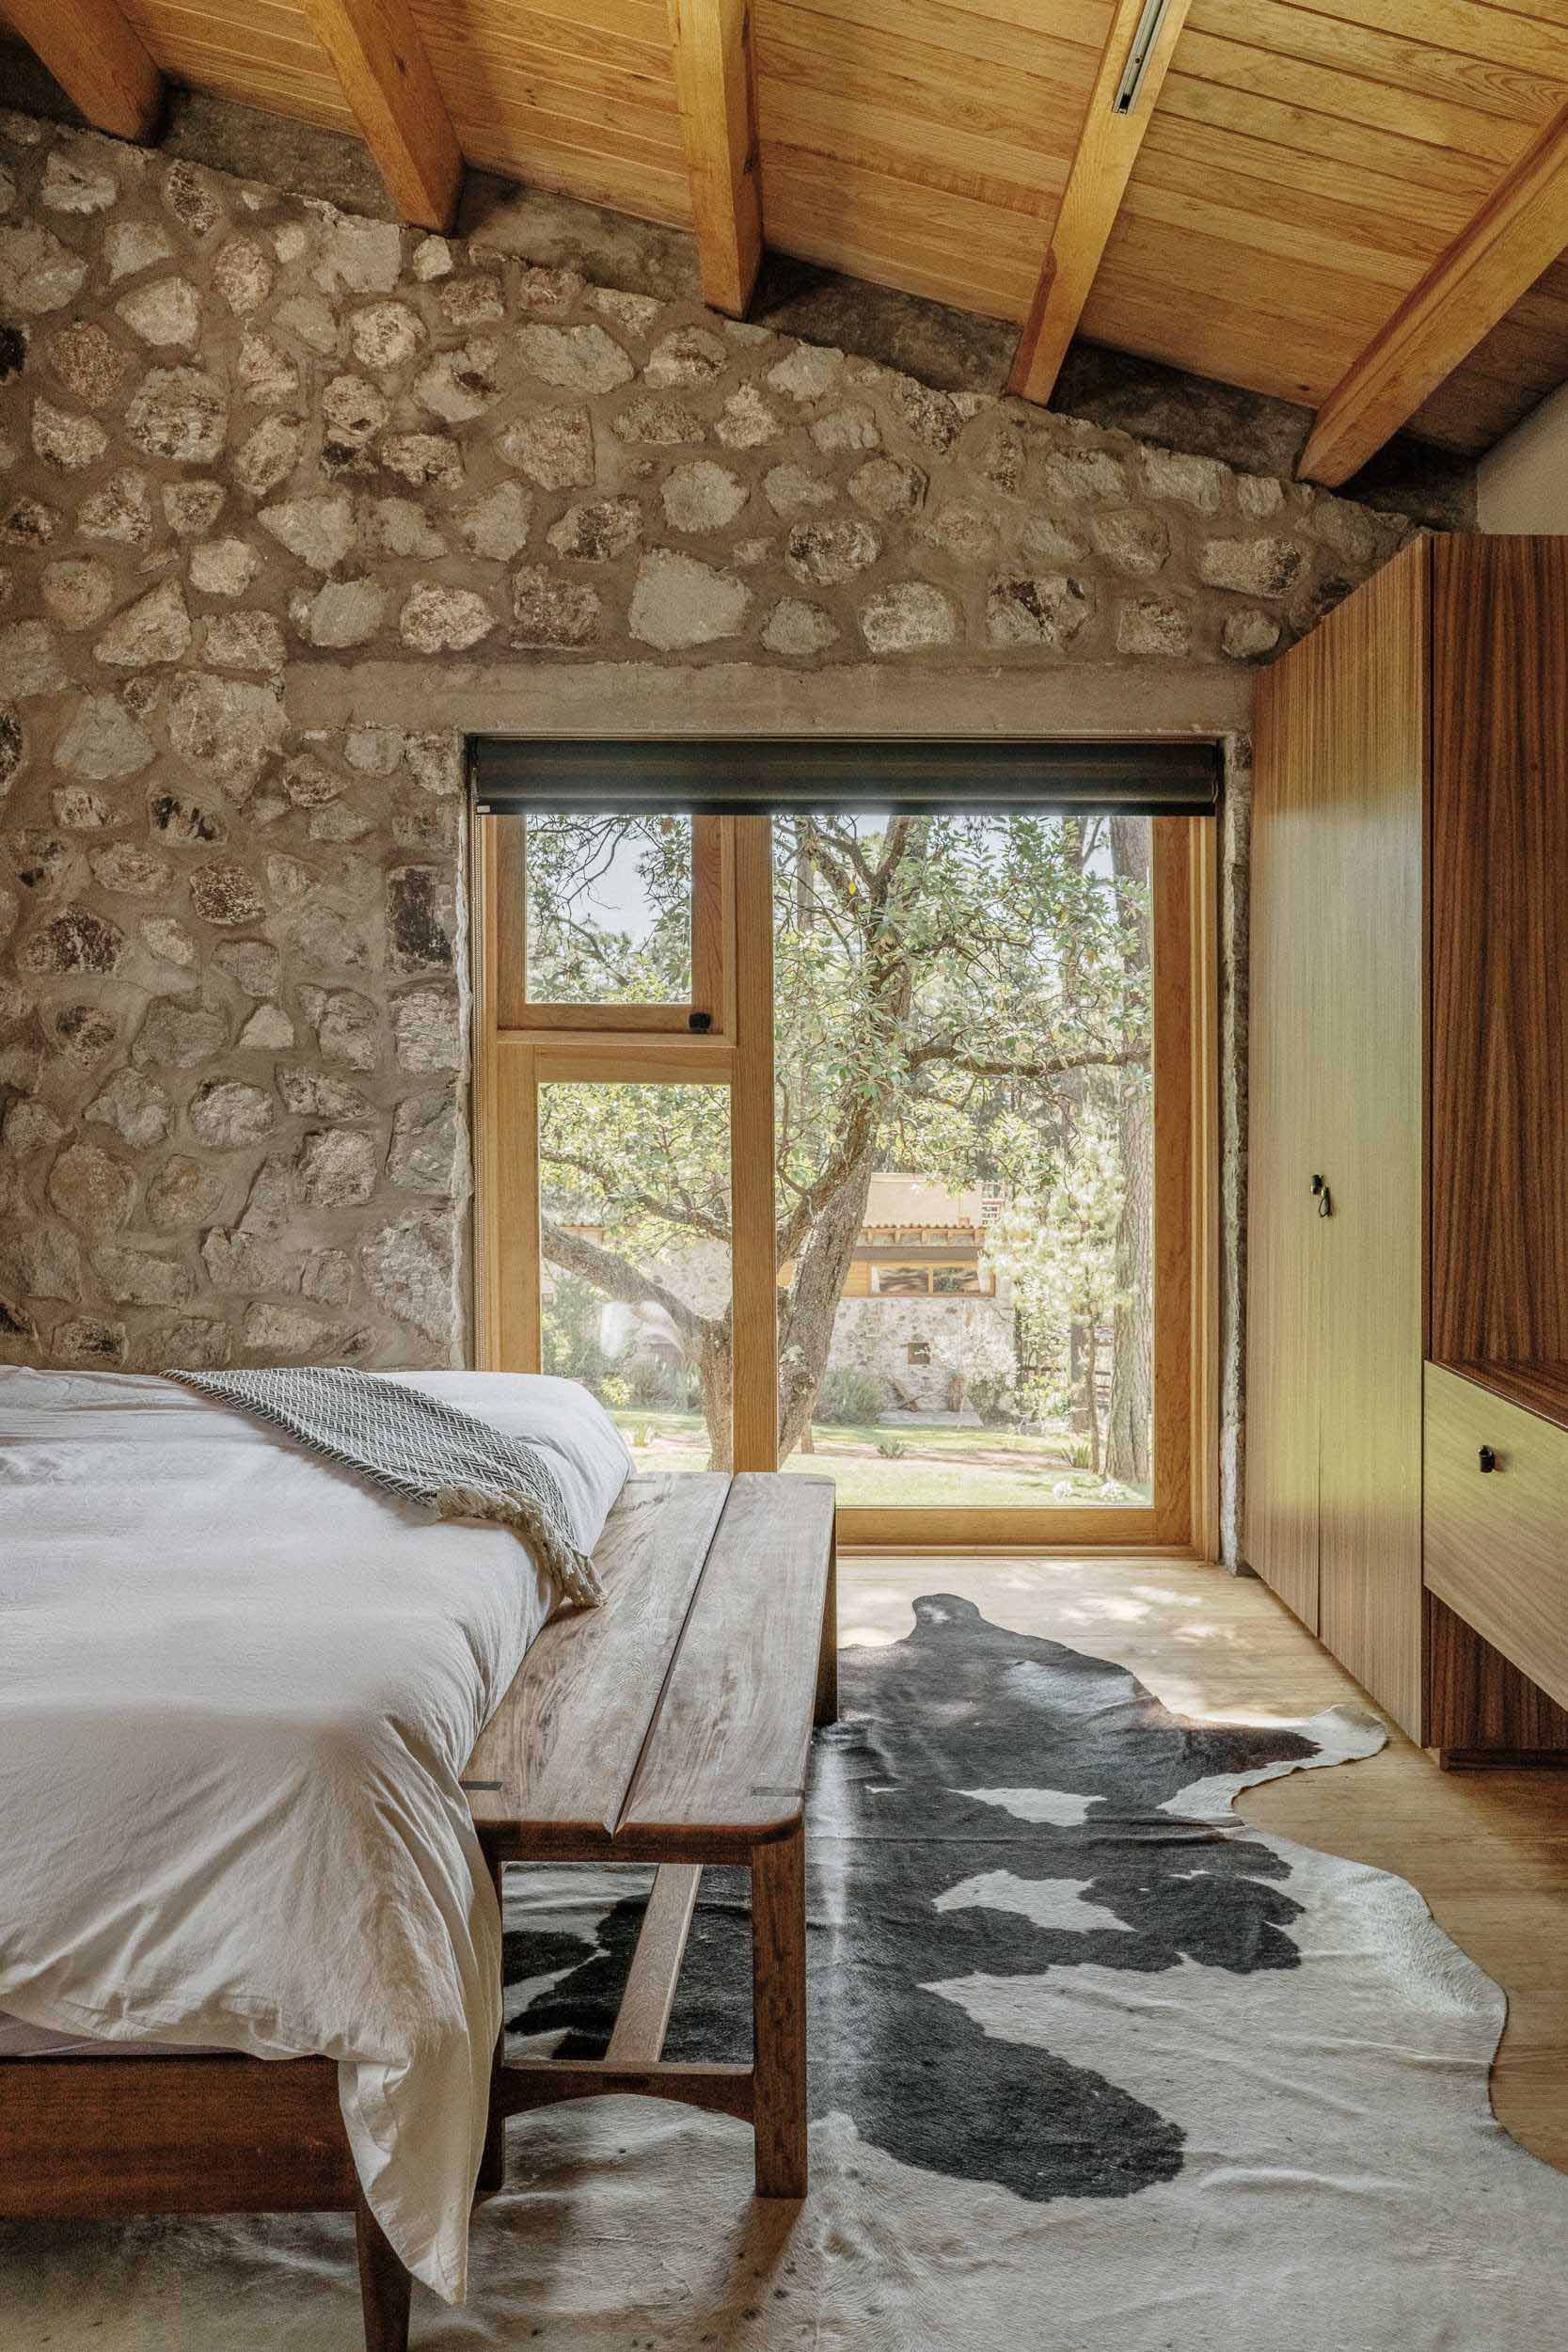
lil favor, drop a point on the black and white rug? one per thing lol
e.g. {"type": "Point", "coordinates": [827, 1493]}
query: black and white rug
{"type": "Point", "coordinates": [1096, 2068]}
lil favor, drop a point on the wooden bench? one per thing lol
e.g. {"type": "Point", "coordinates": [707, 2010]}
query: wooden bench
{"type": "Point", "coordinates": [670, 1726]}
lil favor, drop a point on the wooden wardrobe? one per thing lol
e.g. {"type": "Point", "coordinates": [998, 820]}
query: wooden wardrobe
{"type": "Point", "coordinates": [1407, 1323]}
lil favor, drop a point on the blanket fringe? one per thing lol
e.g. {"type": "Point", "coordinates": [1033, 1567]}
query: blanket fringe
{"type": "Point", "coordinates": [571, 1570]}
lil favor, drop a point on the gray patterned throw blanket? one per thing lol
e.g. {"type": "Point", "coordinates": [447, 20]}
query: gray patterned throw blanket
{"type": "Point", "coordinates": [440, 1459]}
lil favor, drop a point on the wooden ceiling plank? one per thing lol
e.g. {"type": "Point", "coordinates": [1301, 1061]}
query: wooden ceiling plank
{"type": "Point", "coordinates": [1519, 231]}
{"type": "Point", "coordinates": [1376, 108]}
{"type": "Point", "coordinates": [978, 232]}
{"type": "Point", "coordinates": [380, 61]}
{"type": "Point", "coordinates": [1415, 162]}
{"type": "Point", "coordinates": [843, 123]}
{"type": "Point", "coordinates": [930, 45]}
{"type": "Point", "coordinates": [843, 243]}
{"type": "Point", "coordinates": [507, 87]}
{"type": "Point", "coordinates": [1107, 149]}
{"type": "Point", "coordinates": [942, 98]}
{"type": "Point", "coordinates": [1292, 171]}
{"type": "Point", "coordinates": [716, 86]}
{"type": "Point", "coordinates": [98, 60]}
{"type": "Point", "coordinates": [173, 33]}
{"type": "Point", "coordinates": [1503, 36]}
{"type": "Point", "coordinates": [1389, 55]}
{"type": "Point", "coordinates": [638, 189]}
{"type": "Point", "coordinates": [1389, 248]}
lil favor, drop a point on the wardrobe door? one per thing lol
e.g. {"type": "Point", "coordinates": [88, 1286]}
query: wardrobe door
{"type": "Point", "coordinates": [1370, 939]}
{"type": "Point", "coordinates": [1285, 1025]}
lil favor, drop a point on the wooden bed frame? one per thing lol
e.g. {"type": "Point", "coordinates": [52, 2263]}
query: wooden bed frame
{"type": "Point", "coordinates": [672, 1727]}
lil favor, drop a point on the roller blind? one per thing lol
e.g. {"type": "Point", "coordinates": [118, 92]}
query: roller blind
{"type": "Point", "coordinates": [739, 776]}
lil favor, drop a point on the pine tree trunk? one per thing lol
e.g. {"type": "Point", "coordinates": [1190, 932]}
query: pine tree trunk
{"type": "Point", "coordinates": [1128, 1435]}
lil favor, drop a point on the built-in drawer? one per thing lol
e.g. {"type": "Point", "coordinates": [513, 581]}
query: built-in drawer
{"type": "Point", "coordinates": [1497, 1539]}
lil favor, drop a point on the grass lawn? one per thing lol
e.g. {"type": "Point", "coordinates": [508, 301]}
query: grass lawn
{"type": "Point", "coordinates": [983, 1468]}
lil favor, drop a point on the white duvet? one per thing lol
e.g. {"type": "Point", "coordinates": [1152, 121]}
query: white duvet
{"type": "Point", "coordinates": [237, 1688]}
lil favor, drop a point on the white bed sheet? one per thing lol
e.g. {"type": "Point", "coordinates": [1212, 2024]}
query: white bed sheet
{"type": "Point", "coordinates": [237, 1688]}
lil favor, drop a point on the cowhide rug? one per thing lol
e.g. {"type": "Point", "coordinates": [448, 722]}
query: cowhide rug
{"type": "Point", "coordinates": [1097, 2068]}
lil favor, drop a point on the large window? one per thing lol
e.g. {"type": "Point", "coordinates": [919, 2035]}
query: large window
{"type": "Point", "coordinates": [859, 1144]}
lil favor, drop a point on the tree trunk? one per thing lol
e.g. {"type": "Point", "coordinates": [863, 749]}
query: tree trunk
{"type": "Point", "coordinates": [806, 1323]}
{"type": "Point", "coordinates": [714, 1369]}
{"type": "Point", "coordinates": [1128, 1435]}
{"type": "Point", "coordinates": [1091, 1383]}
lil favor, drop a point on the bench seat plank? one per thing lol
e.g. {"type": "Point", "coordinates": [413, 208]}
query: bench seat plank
{"type": "Point", "coordinates": [559, 1753]}
{"type": "Point", "coordinates": [727, 1752]}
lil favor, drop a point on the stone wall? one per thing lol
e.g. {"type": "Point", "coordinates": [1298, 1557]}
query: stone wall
{"type": "Point", "coordinates": [246, 442]}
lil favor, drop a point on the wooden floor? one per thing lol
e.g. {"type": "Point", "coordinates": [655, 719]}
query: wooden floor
{"type": "Point", "coordinates": [1488, 1850]}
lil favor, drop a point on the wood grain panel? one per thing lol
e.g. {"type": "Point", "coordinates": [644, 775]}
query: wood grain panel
{"type": "Point", "coordinates": [754, 1313]}
{"type": "Point", "coordinates": [98, 2136]}
{"type": "Point", "coordinates": [1519, 231]}
{"type": "Point", "coordinates": [601, 1666]}
{"type": "Point", "coordinates": [1497, 1545]}
{"type": "Point", "coordinates": [728, 1746]}
{"type": "Point", "coordinates": [380, 62]}
{"type": "Point", "coordinates": [1478, 1704]}
{"type": "Point", "coordinates": [1287, 1021]}
{"type": "Point", "coordinates": [1369, 935]}
{"type": "Point", "coordinates": [716, 84]}
{"type": "Point", "coordinates": [1102, 163]}
{"type": "Point", "coordinates": [1499, 952]}
{"type": "Point", "coordinates": [91, 49]}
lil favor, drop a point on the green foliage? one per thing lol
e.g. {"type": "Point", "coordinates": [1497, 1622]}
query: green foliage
{"type": "Point", "coordinates": [994, 1397]}
{"type": "Point", "coordinates": [655, 1384]}
{"type": "Point", "coordinates": [570, 1330]}
{"type": "Point", "coordinates": [892, 1449]}
{"type": "Point", "coordinates": [849, 1397]}
{"type": "Point", "coordinates": [956, 996]}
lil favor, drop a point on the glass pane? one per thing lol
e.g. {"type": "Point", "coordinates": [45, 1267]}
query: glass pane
{"type": "Point", "coordinates": [635, 1228]}
{"type": "Point", "coordinates": [609, 910]}
{"type": "Point", "coordinates": [965, 1164]}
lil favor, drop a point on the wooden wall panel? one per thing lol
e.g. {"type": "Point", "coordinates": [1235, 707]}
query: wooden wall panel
{"type": "Point", "coordinates": [1499, 953]}
{"type": "Point", "coordinates": [1370, 939]}
{"type": "Point", "coordinates": [1284, 1272]}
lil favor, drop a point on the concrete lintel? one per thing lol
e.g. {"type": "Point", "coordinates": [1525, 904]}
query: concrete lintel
{"type": "Point", "coordinates": [1100, 702]}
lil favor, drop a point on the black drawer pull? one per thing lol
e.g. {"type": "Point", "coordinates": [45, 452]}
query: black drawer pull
{"type": "Point", "coordinates": [1488, 1458]}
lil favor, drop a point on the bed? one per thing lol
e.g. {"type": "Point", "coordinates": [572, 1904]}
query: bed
{"type": "Point", "coordinates": [266, 1743]}
{"type": "Point", "coordinates": [238, 1690]}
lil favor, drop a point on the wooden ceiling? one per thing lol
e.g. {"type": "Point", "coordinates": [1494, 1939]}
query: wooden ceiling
{"type": "Point", "coordinates": [1358, 205]}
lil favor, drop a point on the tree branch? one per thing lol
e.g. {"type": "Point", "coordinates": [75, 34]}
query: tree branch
{"type": "Point", "coordinates": [625, 1283]}
{"type": "Point", "coordinates": [948, 1052]}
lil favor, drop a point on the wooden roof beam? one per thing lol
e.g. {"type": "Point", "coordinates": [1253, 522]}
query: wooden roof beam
{"type": "Point", "coordinates": [1520, 230]}
{"type": "Point", "coordinates": [1107, 149]}
{"type": "Point", "coordinates": [380, 61]}
{"type": "Point", "coordinates": [97, 59]}
{"type": "Point", "coordinates": [716, 86]}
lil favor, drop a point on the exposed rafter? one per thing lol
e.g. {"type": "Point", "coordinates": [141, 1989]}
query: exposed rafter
{"type": "Point", "coordinates": [97, 59]}
{"type": "Point", "coordinates": [1107, 149]}
{"type": "Point", "coordinates": [1519, 231]}
{"type": "Point", "coordinates": [715, 82]}
{"type": "Point", "coordinates": [381, 63]}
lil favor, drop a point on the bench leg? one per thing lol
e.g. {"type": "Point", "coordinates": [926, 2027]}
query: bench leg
{"type": "Point", "coordinates": [778, 2013]}
{"type": "Point", "coordinates": [827, 1656]}
{"type": "Point", "coordinates": [384, 2286]}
